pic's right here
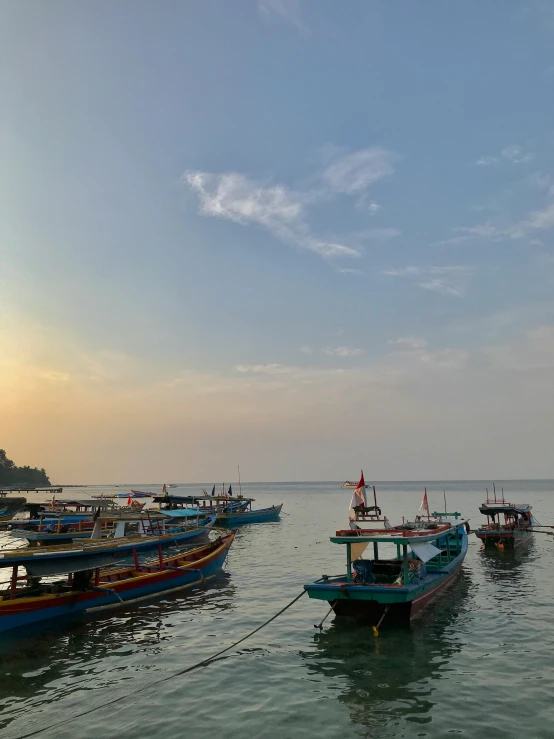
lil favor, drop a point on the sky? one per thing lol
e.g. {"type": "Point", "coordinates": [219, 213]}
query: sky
{"type": "Point", "coordinates": [301, 236]}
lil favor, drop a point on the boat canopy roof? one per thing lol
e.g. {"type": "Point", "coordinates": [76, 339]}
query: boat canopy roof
{"type": "Point", "coordinates": [89, 503]}
{"type": "Point", "coordinates": [182, 513]}
{"type": "Point", "coordinates": [395, 535]}
{"type": "Point", "coordinates": [193, 499]}
{"type": "Point", "coordinates": [513, 508]}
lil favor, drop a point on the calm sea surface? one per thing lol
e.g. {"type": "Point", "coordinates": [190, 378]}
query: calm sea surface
{"type": "Point", "coordinates": [479, 664]}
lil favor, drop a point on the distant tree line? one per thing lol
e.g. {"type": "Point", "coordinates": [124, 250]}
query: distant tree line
{"type": "Point", "coordinates": [11, 474]}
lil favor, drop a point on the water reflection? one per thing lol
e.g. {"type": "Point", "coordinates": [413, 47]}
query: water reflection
{"type": "Point", "coordinates": [35, 660]}
{"type": "Point", "coordinates": [388, 680]}
{"type": "Point", "coordinates": [508, 564]}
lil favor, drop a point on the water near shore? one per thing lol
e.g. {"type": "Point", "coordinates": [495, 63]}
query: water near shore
{"type": "Point", "coordinates": [478, 664]}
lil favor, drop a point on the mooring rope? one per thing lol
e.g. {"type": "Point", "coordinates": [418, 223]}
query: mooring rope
{"type": "Point", "coordinates": [202, 663]}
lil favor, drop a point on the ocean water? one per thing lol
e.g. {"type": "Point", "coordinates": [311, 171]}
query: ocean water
{"type": "Point", "coordinates": [477, 664]}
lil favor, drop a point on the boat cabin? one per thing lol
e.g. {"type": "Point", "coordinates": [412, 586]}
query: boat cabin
{"type": "Point", "coordinates": [507, 523]}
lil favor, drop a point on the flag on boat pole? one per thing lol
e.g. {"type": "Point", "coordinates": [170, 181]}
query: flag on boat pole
{"type": "Point", "coordinates": [358, 497]}
{"type": "Point", "coordinates": [424, 507]}
{"type": "Point", "coordinates": [213, 491]}
{"type": "Point", "coordinates": [129, 500]}
{"type": "Point", "coordinates": [164, 490]}
{"type": "Point", "coordinates": [230, 492]}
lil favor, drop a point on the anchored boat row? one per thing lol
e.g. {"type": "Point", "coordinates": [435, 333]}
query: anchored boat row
{"type": "Point", "coordinates": [85, 557]}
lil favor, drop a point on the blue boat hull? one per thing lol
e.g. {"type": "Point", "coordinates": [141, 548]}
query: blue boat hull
{"type": "Point", "coordinates": [76, 606]}
{"type": "Point", "coordinates": [401, 602]}
{"type": "Point", "coordinates": [73, 560]}
{"type": "Point", "coordinates": [260, 516]}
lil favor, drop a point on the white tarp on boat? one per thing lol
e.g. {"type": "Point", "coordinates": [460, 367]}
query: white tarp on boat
{"type": "Point", "coordinates": [424, 551]}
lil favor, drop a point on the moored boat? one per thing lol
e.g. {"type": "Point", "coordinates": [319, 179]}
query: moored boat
{"type": "Point", "coordinates": [10, 506]}
{"type": "Point", "coordinates": [130, 532]}
{"type": "Point", "coordinates": [90, 589]}
{"type": "Point", "coordinates": [206, 504]}
{"type": "Point", "coordinates": [423, 558]}
{"type": "Point", "coordinates": [508, 524]}
{"type": "Point", "coordinates": [249, 515]}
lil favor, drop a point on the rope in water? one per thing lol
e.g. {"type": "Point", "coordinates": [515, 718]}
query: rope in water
{"type": "Point", "coordinates": [172, 675]}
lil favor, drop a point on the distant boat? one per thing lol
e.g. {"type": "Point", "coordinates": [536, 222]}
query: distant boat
{"type": "Point", "coordinates": [141, 494]}
{"type": "Point", "coordinates": [350, 484]}
{"type": "Point", "coordinates": [172, 485]}
{"type": "Point", "coordinates": [249, 515]}
{"type": "Point", "coordinates": [508, 524]}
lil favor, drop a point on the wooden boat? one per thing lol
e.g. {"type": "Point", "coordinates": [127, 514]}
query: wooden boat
{"type": "Point", "coordinates": [153, 529]}
{"type": "Point", "coordinates": [508, 524]}
{"type": "Point", "coordinates": [10, 506]}
{"type": "Point", "coordinates": [130, 535]}
{"type": "Point", "coordinates": [207, 504]}
{"type": "Point", "coordinates": [429, 555]}
{"type": "Point", "coordinates": [141, 494]}
{"type": "Point", "coordinates": [89, 589]}
{"type": "Point", "coordinates": [350, 484]}
{"type": "Point", "coordinates": [71, 512]}
{"type": "Point", "coordinates": [249, 515]}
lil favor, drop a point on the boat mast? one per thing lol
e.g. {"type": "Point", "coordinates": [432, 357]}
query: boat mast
{"type": "Point", "coordinates": [240, 486]}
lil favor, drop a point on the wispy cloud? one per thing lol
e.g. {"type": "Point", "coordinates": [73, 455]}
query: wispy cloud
{"type": "Point", "coordinates": [342, 351]}
{"type": "Point", "coordinates": [411, 342]}
{"type": "Point", "coordinates": [355, 172]}
{"type": "Point", "coordinates": [537, 220]}
{"type": "Point", "coordinates": [373, 208]}
{"type": "Point", "coordinates": [288, 11]}
{"type": "Point", "coordinates": [513, 153]}
{"type": "Point", "coordinates": [283, 211]}
{"type": "Point", "coordinates": [237, 198]}
{"type": "Point", "coordinates": [265, 369]}
{"type": "Point", "coordinates": [516, 154]}
{"type": "Point", "coordinates": [486, 161]}
{"type": "Point", "coordinates": [445, 280]}
{"type": "Point", "coordinates": [306, 349]}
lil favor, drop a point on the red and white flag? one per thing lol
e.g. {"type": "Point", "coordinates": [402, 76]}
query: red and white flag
{"type": "Point", "coordinates": [424, 507]}
{"type": "Point", "coordinates": [129, 500]}
{"type": "Point", "coordinates": [358, 497]}
{"type": "Point", "coordinates": [164, 490]}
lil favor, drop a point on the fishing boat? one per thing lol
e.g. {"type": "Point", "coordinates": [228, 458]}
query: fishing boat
{"type": "Point", "coordinates": [249, 515]}
{"type": "Point", "coordinates": [153, 529]}
{"type": "Point", "coordinates": [207, 504]}
{"type": "Point", "coordinates": [141, 494]}
{"type": "Point", "coordinates": [88, 588]}
{"type": "Point", "coordinates": [508, 524]}
{"type": "Point", "coordinates": [70, 512]}
{"type": "Point", "coordinates": [423, 558]}
{"type": "Point", "coordinates": [350, 484]}
{"type": "Point", "coordinates": [9, 507]}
